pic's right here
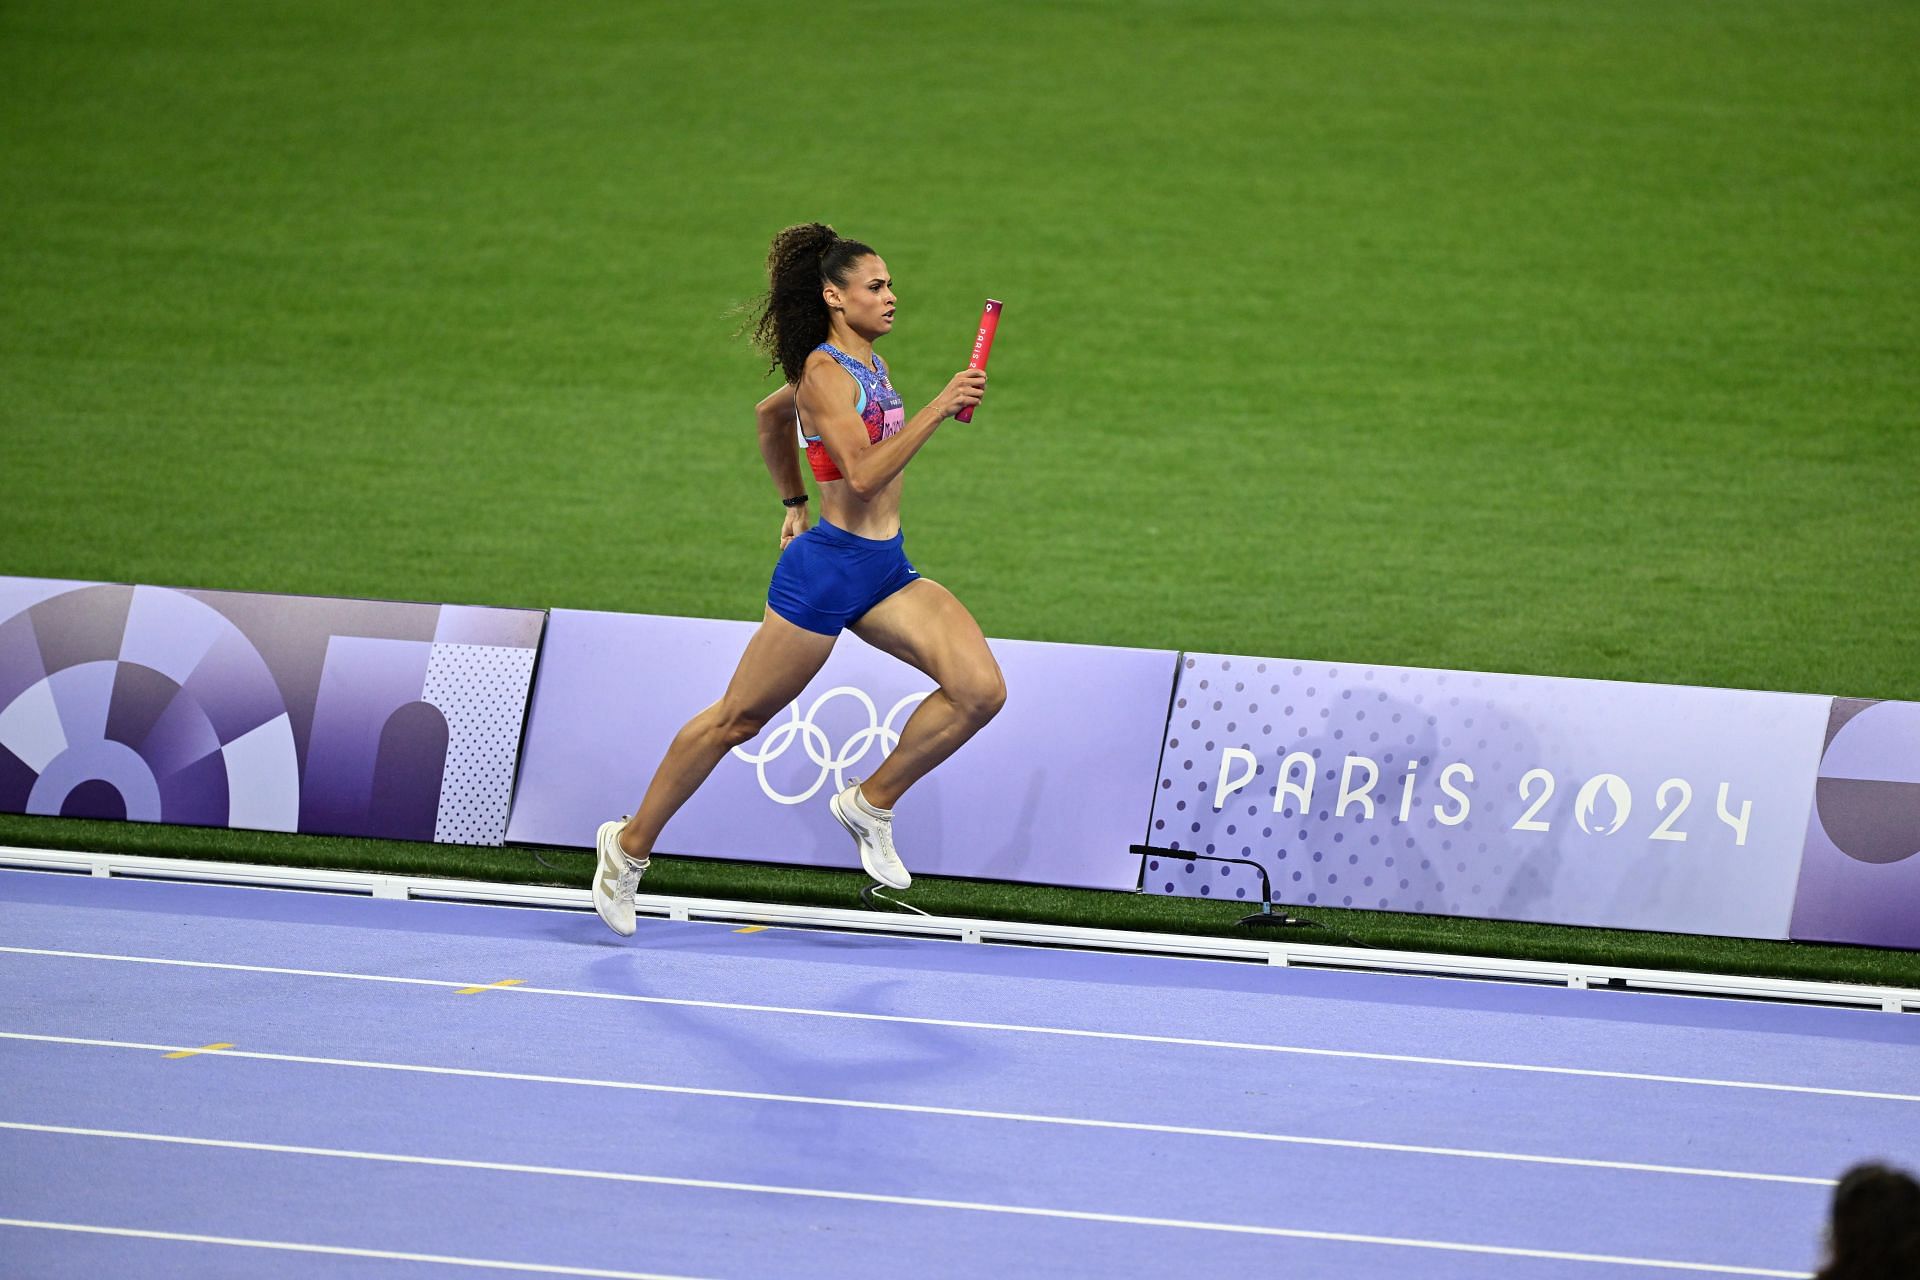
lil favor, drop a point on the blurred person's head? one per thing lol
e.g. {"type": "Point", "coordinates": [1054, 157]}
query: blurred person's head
{"type": "Point", "coordinates": [1875, 1230]}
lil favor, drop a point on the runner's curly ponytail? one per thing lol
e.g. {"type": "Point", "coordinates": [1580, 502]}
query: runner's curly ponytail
{"type": "Point", "coordinates": [793, 318]}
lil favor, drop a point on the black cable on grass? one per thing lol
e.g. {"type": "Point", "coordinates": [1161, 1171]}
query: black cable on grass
{"type": "Point", "coordinates": [548, 865]}
{"type": "Point", "coordinates": [1346, 939]}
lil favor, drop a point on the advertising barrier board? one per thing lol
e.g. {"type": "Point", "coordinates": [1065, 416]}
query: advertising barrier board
{"type": "Point", "coordinates": [1051, 792]}
{"type": "Point", "coordinates": [1567, 801]}
{"type": "Point", "coordinates": [1501, 796]}
{"type": "Point", "coordinates": [278, 713]}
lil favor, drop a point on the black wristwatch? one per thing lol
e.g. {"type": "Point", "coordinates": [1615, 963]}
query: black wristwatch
{"type": "Point", "coordinates": [800, 501]}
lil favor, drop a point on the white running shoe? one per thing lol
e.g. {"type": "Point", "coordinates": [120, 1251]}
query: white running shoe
{"type": "Point", "coordinates": [874, 834]}
{"type": "Point", "coordinates": [615, 877]}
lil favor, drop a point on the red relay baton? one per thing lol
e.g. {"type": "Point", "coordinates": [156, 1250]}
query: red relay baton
{"type": "Point", "coordinates": [982, 347]}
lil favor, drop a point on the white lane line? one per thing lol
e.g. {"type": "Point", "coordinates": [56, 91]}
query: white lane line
{"type": "Point", "coordinates": [969, 1113]}
{"type": "Point", "coordinates": [288, 1246]}
{"type": "Point", "coordinates": [1014, 1027]}
{"type": "Point", "coordinates": [919, 1202]}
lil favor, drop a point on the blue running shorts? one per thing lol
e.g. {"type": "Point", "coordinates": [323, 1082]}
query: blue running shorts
{"type": "Point", "coordinates": [827, 578]}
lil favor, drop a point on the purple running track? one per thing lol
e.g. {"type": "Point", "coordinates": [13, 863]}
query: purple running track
{"type": "Point", "coordinates": [702, 1101]}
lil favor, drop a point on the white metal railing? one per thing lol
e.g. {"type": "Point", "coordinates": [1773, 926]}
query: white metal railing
{"type": "Point", "coordinates": [1251, 950]}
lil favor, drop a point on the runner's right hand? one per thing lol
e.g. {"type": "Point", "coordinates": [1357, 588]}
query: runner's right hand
{"type": "Point", "coordinates": [793, 526]}
{"type": "Point", "coordinates": [963, 391]}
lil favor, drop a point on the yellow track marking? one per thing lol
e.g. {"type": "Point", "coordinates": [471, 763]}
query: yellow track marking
{"type": "Point", "coordinates": [205, 1048]}
{"type": "Point", "coordinates": [491, 986]}
{"type": "Point", "coordinates": [752, 928]}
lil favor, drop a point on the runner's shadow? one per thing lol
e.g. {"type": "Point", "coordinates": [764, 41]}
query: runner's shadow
{"type": "Point", "coordinates": [799, 1054]}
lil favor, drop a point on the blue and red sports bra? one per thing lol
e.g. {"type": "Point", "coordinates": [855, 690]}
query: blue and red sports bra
{"type": "Point", "coordinates": [879, 407]}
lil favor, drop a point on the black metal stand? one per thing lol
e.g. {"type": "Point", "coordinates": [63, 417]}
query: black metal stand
{"type": "Point", "coordinates": [1265, 917]}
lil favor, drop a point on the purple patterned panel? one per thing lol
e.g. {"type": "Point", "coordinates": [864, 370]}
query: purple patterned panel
{"type": "Point", "coordinates": [16, 782]}
{"type": "Point", "coordinates": [234, 686]}
{"type": "Point", "coordinates": [466, 624]}
{"type": "Point", "coordinates": [293, 633]}
{"type": "Point", "coordinates": [263, 776]}
{"type": "Point", "coordinates": [1468, 793]}
{"type": "Point", "coordinates": [20, 665]}
{"type": "Point", "coordinates": [83, 693]}
{"type": "Point", "coordinates": [112, 763]}
{"type": "Point", "coordinates": [81, 626]}
{"type": "Point", "coordinates": [1860, 874]}
{"type": "Point", "coordinates": [181, 736]}
{"type": "Point", "coordinates": [208, 707]}
{"type": "Point", "coordinates": [17, 595]}
{"type": "Point", "coordinates": [141, 696]}
{"type": "Point", "coordinates": [366, 682]}
{"type": "Point", "coordinates": [170, 632]}
{"type": "Point", "coordinates": [407, 770]}
{"type": "Point", "coordinates": [465, 682]}
{"type": "Point", "coordinates": [198, 795]}
{"type": "Point", "coordinates": [30, 727]}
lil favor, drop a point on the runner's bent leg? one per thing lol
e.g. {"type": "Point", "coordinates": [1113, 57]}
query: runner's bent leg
{"type": "Point", "coordinates": [779, 661]}
{"type": "Point", "coordinates": [924, 625]}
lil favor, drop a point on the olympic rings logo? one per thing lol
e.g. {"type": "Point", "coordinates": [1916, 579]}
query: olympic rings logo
{"type": "Point", "coordinates": [813, 740]}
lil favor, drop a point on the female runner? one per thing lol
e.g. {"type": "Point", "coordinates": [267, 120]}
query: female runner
{"type": "Point", "coordinates": [828, 300]}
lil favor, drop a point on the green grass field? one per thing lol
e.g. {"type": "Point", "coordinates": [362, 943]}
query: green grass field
{"type": "Point", "coordinates": [1574, 340]}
